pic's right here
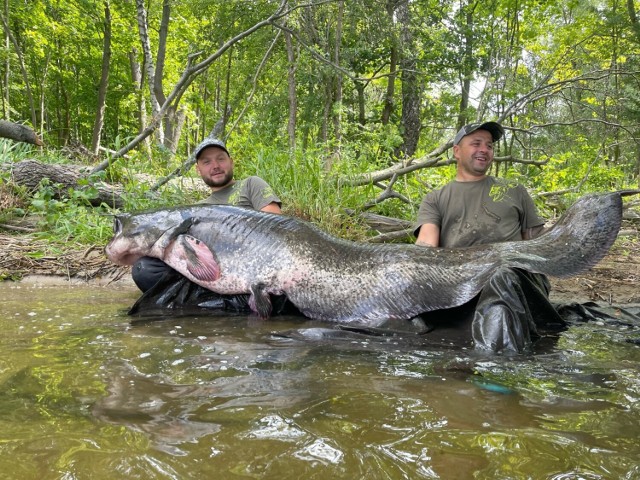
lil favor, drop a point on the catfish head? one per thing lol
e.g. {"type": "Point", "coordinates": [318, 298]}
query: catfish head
{"type": "Point", "coordinates": [145, 234]}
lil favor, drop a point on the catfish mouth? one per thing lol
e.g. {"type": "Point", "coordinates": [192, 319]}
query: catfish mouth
{"type": "Point", "coordinates": [124, 258]}
{"type": "Point", "coordinates": [121, 250]}
{"type": "Point", "coordinates": [128, 259]}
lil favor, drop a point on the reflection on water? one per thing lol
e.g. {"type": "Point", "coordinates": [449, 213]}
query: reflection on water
{"type": "Point", "coordinates": [86, 395]}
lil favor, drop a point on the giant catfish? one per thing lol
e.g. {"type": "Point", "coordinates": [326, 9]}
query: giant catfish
{"type": "Point", "coordinates": [232, 250]}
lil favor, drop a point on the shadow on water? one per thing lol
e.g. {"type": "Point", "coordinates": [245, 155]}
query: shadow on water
{"type": "Point", "coordinates": [87, 395]}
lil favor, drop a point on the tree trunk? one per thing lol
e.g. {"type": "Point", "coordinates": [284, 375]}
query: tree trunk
{"type": "Point", "coordinates": [6, 110]}
{"type": "Point", "coordinates": [293, 100]}
{"type": "Point", "coordinates": [631, 9]}
{"type": "Point", "coordinates": [393, 64]}
{"type": "Point", "coordinates": [191, 72]}
{"type": "Point", "coordinates": [174, 119]}
{"type": "Point", "coordinates": [411, 90]}
{"type": "Point", "coordinates": [174, 128]}
{"type": "Point", "coordinates": [337, 116]}
{"type": "Point", "coordinates": [227, 88]}
{"type": "Point", "coordinates": [635, 24]}
{"type": "Point", "coordinates": [158, 88]}
{"type": "Point", "coordinates": [138, 82]}
{"type": "Point", "coordinates": [104, 81]}
{"type": "Point", "coordinates": [63, 107]}
{"type": "Point", "coordinates": [19, 133]}
{"type": "Point", "coordinates": [23, 69]}
{"type": "Point", "coordinates": [143, 31]}
{"type": "Point", "coordinates": [362, 118]}
{"type": "Point", "coordinates": [326, 111]}
{"type": "Point", "coordinates": [638, 167]}
{"type": "Point", "coordinates": [30, 173]}
{"type": "Point", "coordinates": [467, 69]}
{"type": "Point", "coordinates": [43, 81]}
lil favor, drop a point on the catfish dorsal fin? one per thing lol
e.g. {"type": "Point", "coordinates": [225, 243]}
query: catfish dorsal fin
{"type": "Point", "coordinates": [173, 232]}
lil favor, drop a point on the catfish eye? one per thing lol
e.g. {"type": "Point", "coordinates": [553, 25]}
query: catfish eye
{"type": "Point", "coordinates": [117, 225]}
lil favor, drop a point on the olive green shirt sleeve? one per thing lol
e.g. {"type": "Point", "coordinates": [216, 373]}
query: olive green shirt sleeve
{"type": "Point", "coordinates": [259, 193]}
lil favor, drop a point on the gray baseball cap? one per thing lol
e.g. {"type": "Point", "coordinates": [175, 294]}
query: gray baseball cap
{"type": "Point", "coordinates": [210, 142]}
{"type": "Point", "coordinates": [494, 128]}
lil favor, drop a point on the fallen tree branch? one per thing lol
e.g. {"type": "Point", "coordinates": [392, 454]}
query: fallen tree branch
{"type": "Point", "coordinates": [19, 133]}
{"type": "Point", "coordinates": [406, 234]}
{"type": "Point", "coordinates": [29, 174]}
{"type": "Point", "coordinates": [16, 228]}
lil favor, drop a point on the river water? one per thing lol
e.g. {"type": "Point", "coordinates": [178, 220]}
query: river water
{"type": "Point", "coordinates": [87, 395]}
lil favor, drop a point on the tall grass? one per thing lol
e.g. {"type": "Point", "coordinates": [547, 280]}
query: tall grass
{"type": "Point", "coordinates": [307, 186]}
{"type": "Point", "coordinates": [306, 189]}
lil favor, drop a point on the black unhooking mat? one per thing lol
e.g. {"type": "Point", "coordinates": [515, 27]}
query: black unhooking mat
{"type": "Point", "coordinates": [476, 323]}
{"type": "Point", "coordinates": [173, 295]}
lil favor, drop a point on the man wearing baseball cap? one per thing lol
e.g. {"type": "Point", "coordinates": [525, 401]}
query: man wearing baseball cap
{"type": "Point", "coordinates": [215, 167]}
{"type": "Point", "coordinates": [477, 208]}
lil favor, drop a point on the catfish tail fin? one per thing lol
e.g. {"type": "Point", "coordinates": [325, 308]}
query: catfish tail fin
{"type": "Point", "coordinates": [578, 240]}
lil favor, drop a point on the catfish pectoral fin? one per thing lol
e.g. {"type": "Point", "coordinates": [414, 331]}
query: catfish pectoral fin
{"type": "Point", "coordinates": [260, 302]}
{"type": "Point", "coordinates": [199, 260]}
{"type": "Point", "coordinates": [204, 265]}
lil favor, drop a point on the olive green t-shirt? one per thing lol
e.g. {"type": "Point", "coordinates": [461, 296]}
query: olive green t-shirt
{"type": "Point", "coordinates": [251, 192]}
{"type": "Point", "coordinates": [487, 211]}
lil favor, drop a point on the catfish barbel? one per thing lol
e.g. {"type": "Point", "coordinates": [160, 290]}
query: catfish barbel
{"type": "Point", "coordinates": [232, 250]}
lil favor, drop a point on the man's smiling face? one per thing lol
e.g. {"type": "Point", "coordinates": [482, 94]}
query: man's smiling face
{"type": "Point", "coordinates": [474, 154]}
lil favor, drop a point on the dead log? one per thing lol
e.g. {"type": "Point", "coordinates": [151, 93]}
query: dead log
{"type": "Point", "coordinates": [19, 133]}
{"type": "Point", "coordinates": [387, 229]}
{"type": "Point", "coordinates": [382, 223]}
{"type": "Point", "coordinates": [404, 235]}
{"type": "Point", "coordinates": [29, 174]}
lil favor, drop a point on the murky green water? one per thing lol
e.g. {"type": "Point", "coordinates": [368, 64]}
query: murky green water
{"type": "Point", "coordinates": [85, 395]}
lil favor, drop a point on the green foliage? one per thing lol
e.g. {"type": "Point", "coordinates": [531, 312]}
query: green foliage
{"type": "Point", "coordinates": [525, 63]}
{"type": "Point", "coordinates": [11, 151]}
{"type": "Point", "coordinates": [71, 217]}
{"type": "Point", "coordinates": [586, 168]}
{"type": "Point", "coordinates": [305, 185]}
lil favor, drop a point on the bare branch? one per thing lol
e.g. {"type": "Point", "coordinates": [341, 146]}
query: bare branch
{"type": "Point", "coordinates": [406, 234]}
{"type": "Point", "coordinates": [431, 159]}
{"type": "Point", "coordinates": [388, 193]}
{"type": "Point", "coordinates": [321, 58]}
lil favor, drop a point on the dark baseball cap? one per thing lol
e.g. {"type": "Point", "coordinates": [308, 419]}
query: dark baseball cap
{"type": "Point", "coordinates": [210, 142]}
{"type": "Point", "coordinates": [495, 129]}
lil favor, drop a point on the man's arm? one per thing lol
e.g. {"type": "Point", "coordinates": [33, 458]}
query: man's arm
{"type": "Point", "coordinates": [261, 195]}
{"type": "Point", "coordinates": [533, 232]}
{"type": "Point", "coordinates": [272, 207]}
{"type": "Point", "coordinates": [429, 235]}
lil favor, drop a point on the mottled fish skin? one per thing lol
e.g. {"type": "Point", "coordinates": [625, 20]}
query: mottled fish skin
{"type": "Point", "coordinates": [332, 279]}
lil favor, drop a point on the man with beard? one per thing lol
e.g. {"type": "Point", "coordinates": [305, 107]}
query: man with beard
{"type": "Point", "coordinates": [477, 208]}
{"type": "Point", "coordinates": [215, 167]}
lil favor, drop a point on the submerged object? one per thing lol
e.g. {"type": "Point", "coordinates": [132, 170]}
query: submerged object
{"type": "Point", "coordinates": [232, 250]}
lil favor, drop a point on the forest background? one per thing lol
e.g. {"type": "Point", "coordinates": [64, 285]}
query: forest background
{"type": "Point", "coordinates": [347, 108]}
